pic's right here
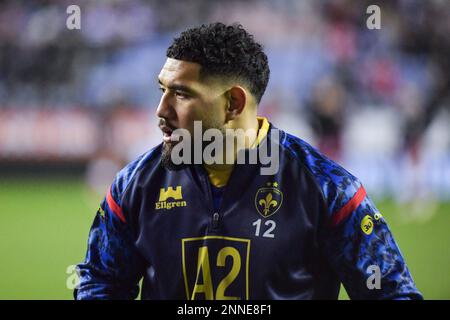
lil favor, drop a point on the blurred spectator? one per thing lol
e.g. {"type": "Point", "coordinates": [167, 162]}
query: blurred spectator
{"type": "Point", "coordinates": [327, 115]}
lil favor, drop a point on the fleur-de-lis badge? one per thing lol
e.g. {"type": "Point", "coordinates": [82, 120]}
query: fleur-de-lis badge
{"type": "Point", "coordinates": [267, 203]}
{"type": "Point", "coordinates": [268, 200]}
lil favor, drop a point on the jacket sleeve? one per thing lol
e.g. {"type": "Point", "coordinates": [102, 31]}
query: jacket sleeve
{"type": "Point", "coordinates": [362, 251]}
{"type": "Point", "coordinates": [112, 267]}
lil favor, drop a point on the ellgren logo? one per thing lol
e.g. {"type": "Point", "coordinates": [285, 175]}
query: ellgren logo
{"type": "Point", "coordinates": [268, 200]}
{"type": "Point", "coordinates": [169, 193]}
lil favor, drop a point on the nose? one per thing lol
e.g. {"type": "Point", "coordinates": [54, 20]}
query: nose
{"type": "Point", "coordinates": [165, 108]}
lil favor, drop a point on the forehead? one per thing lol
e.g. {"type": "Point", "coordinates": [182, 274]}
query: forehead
{"type": "Point", "coordinates": [179, 71]}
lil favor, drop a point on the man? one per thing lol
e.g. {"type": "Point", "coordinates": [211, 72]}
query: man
{"type": "Point", "coordinates": [225, 230]}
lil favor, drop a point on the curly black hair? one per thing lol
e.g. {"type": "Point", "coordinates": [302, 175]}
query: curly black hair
{"type": "Point", "coordinates": [227, 51]}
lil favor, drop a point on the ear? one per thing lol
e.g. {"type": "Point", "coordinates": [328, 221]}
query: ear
{"type": "Point", "coordinates": [237, 97]}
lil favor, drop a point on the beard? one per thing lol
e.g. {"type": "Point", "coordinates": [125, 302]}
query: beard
{"type": "Point", "coordinates": [167, 148]}
{"type": "Point", "coordinates": [166, 157]}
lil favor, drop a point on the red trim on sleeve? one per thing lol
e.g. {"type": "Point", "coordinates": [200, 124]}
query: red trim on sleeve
{"type": "Point", "coordinates": [114, 206]}
{"type": "Point", "coordinates": [346, 210]}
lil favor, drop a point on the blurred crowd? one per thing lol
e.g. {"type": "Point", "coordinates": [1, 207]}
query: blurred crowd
{"type": "Point", "coordinates": [335, 82]}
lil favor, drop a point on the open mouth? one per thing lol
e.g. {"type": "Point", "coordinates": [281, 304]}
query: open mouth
{"type": "Point", "coordinates": [167, 134]}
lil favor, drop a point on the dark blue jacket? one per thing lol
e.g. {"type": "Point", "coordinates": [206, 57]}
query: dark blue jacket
{"type": "Point", "coordinates": [297, 234]}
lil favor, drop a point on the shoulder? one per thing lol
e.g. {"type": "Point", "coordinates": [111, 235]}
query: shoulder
{"type": "Point", "coordinates": [342, 191]}
{"type": "Point", "coordinates": [127, 175]}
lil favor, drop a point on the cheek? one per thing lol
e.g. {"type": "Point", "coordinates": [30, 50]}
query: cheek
{"type": "Point", "coordinates": [187, 113]}
{"type": "Point", "coordinates": [212, 114]}
{"type": "Point", "coordinates": [216, 111]}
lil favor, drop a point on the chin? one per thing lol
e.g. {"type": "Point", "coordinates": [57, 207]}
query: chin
{"type": "Point", "coordinates": [166, 160]}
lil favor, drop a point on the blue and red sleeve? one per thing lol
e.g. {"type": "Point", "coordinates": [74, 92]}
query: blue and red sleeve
{"type": "Point", "coordinates": [360, 247]}
{"type": "Point", "coordinates": [356, 239]}
{"type": "Point", "coordinates": [112, 267]}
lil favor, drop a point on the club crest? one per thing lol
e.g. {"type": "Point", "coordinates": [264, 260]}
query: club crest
{"type": "Point", "coordinates": [268, 200]}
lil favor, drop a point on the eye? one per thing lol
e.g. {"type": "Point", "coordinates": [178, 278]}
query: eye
{"type": "Point", "coordinates": [181, 95]}
{"type": "Point", "coordinates": [162, 89]}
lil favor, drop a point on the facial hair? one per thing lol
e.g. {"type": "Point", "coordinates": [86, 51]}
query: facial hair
{"type": "Point", "coordinates": [167, 148]}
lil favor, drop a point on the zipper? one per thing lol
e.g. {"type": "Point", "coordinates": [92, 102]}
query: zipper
{"type": "Point", "coordinates": [205, 180]}
{"type": "Point", "coordinates": [216, 214]}
{"type": "Point", "coordinates": [215, 223]}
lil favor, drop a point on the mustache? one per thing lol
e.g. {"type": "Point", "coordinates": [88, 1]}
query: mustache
{"type": "Point", "coordinates": [164, 123]}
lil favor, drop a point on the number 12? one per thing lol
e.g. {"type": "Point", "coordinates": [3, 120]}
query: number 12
{"type": "Point", "coordinates": [268, 233]}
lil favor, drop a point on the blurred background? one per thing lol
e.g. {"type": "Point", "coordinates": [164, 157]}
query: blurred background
{"type": "Point", "coordinates": [76, 105]}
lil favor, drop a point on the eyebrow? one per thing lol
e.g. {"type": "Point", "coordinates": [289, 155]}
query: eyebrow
{"type": "Point", "coordinates": [178, 87]}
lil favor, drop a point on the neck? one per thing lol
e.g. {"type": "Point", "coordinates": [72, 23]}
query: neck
{"type": "Point", "coordinates": [249, 129]}
{"type": "Point", "coordinates": [220, 173]}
